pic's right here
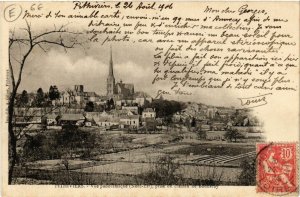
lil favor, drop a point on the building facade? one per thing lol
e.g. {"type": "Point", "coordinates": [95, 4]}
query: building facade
{"type": "Point", "coordinates": [118, 90]}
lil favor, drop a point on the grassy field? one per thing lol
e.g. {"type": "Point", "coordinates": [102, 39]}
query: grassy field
{"type": "Point", "coordinates": [117, 157]}
{"type": "Point", "coordinates": [216, 149]}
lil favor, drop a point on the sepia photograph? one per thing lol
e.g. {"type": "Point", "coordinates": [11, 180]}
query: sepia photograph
{"type": "Point", "coordinates": [150, 95]}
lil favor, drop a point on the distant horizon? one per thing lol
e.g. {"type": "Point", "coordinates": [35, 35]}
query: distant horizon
{"type": "Point", "coordinates": [69, 87]}
{"type": "Point", "coordinates": [202, 103]}
{"type": "Point", "coordinates": [91, 70]}
{"type": "Point", "coordinates": [104, 94]}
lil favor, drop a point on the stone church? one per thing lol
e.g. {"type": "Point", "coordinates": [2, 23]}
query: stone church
{"type": "Point", "coordinates": [117, 90]}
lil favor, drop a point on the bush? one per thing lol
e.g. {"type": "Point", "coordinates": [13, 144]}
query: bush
{"type": "Point", "coordinates": [66, 142]}
{"type": "Point", "coordinates": [70, 140]}
{"type": "Point", "coordinates": [165, 108]}
{"type": "Point", "coordinates": [233, 134]}
{"type": "Point", "coordinates": [39, 147]}
{"type": "Point", "coordinates": [248, 174]}
{"type": "Point", "coordinates": [163, 172]}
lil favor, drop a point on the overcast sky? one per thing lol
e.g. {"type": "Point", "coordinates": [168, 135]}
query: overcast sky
{"type": "Point", "coordinates": [132, 64]}
{"type": "Point", "coordinates": [88, 68]}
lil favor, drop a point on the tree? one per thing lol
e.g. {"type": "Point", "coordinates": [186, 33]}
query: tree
{"type": "Point", "coordinates": [98, 108]}
{"type": "Point", "coordinates": [110, 104]}
{"type": "Point", "coordinates": [24, 99]}
{"type": "Point", "coordinates": [89, 107]}
{"type": "Point", "coordinates": [39, 100]}
{"type": "Point", "coordinates": [193, 122]}
{"type": "Point", "coordinates": [165, 108]}
{"type": "Point", "coordinates": [70, 139]}
{"type": "Point", "coordinates": [163, 172]}
{"type": "Point", "coordinates": [247, 176]}
{"type": "Point", "coordinates": [53, 93]}
{"type": "Point", "coordinates": [233, 134]}
{"type": "Point", "coordinates": [202, 134]}
{"type": "Point", "coordinates": [24, 44]}
{"type": "Point", "coordinates": [39, 147]}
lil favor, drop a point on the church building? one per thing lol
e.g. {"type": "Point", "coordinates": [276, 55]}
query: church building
{"type": "Point", "coordinates": [117, 90]}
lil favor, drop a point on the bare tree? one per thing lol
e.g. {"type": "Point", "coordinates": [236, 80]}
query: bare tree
{"type": "Point", "coordinates": [26, 42]}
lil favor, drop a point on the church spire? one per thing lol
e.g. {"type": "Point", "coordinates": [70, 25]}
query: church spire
{"type": "Point", "coordinates": [110, 78]}
{"type": "Point", "coordinates": [111, 69]}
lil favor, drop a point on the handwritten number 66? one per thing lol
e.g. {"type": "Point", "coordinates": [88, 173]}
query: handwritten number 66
{"type": "Point", "coordinates": [35, 6]}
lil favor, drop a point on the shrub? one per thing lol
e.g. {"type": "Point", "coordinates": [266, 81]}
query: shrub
{"type": "Point", "coordinates": [163, 172]}
{"type": "Point", "coordinates": [248, 174]}
{"type": "Point", "coordinates": [39, 147]}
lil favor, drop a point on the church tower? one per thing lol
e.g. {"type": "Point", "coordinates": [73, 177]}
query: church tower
{"type": "Point", "coordinates": [110, 78]}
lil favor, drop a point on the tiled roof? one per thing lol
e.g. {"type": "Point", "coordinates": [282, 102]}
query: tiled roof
{"type": "Point", "coordinates": [130, 117]}
{"type": "Point", "coordinates": [106, 119]}
{"type": "Point", "coordinates": [148, 110]}
{"type": "Point", "coordinates": [72, 117]}
{"type": "Point", "coordinates": [90, 94]}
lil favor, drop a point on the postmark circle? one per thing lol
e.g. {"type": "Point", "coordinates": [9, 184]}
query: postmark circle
{"type": "Point", "coordinates": [273, 181]}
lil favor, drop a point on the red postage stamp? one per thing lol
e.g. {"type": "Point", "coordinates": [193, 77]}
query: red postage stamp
{"type": "Point", "coordinates": [277, 168]}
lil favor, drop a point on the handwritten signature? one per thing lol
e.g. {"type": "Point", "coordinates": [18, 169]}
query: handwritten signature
{"type": "Point", "coordinates": [177, 91]}
{"type": "Point", "coordinates": [254, 101]}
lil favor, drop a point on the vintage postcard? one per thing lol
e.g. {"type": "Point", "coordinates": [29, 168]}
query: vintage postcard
{"type": "Point", "coordinates": [156, 98]}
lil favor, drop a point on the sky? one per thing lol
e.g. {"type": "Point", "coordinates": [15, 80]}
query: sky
{"type": "Point", "coordinates": [88, 66]}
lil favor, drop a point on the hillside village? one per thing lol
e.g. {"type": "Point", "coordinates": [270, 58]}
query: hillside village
{"type": "Point", "coordinates": [124, 125]}
{"type": "Point", "coordinates": [136, 114]}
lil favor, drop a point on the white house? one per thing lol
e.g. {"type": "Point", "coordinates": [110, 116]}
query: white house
{"type": "Point", "coordinates": [140, 101]}
{"type": "Point", "coordinates": [132, 121]}
{"type": "Point", "coordinates": [106, 121]}
{"type": "Point", "coordinates": [71, 119]}
{"type": "Point", "coordinates": [133, 109]}
{"type": "Point", "coordinates": [148, 113]}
